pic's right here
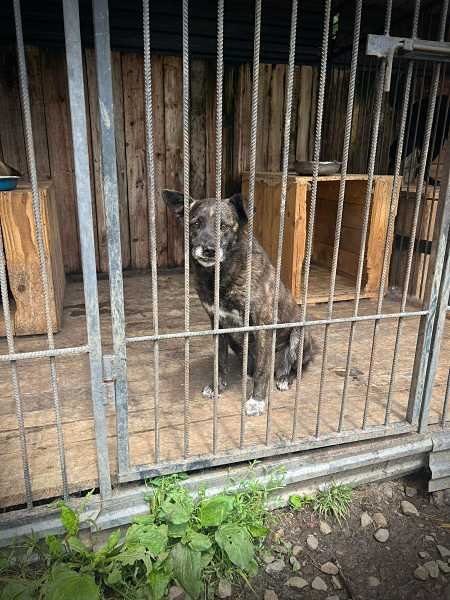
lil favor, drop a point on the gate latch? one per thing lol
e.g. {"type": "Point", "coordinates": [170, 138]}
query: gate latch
{"type": "Point", "coordinates": [109, 380]}
{"type": "Point", "coordinates": [385, 46]}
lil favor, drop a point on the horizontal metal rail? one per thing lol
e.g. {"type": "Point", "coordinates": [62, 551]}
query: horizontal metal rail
{"type": "Point", "coordinates": [195, 463]}
{"type": "Point", "coordinates": [250, 328]}
{"type": "Point", "coordinates": [70, 351]}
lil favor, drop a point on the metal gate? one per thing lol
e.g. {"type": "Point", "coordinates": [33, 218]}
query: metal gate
{"type": "Point", "coordinates": [109, 372]}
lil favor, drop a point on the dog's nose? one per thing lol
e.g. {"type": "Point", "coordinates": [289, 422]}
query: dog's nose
{"type": "Point", "coordinates": [208, 252]}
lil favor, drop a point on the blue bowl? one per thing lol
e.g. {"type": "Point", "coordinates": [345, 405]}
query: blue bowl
{"type": "Point", "coordinates": [8, 183]}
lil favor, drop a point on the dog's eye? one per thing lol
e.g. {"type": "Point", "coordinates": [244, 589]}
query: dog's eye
{"type": "Point", "coordinates": [195, 224]}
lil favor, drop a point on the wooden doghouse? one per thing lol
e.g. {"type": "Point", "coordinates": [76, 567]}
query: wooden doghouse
{"type": "Point", "coordinates": [267, 220]}
{"type": "Point", "coordinates": [22, 260]}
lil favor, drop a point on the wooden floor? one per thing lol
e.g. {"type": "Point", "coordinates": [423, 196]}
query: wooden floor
{"type": "Point", "coordinates": [76, 408]}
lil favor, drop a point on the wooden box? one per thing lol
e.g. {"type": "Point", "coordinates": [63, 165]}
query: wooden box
{"type": "Point", "coordinates": [22, 260]}
{"type": "Point", "coordinates": [266, 223]}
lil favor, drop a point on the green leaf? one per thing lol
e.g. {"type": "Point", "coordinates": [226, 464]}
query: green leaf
{"type": "Point", "coordinates": [236, 542]}
{"type": "Point", "coordinates": [115, 576]}
{"type": "Point", "coordinates": [130, 556]}
{"type": "Point", "coordinates": [69, 519]}
{"type": "Point", "coordinates": [17, 589]}
{"type": "Point", "coordinates": [257, 531]}
{"type": "Point", "coordinates": [199, 541]}
{"type": "Point", "coordinates": [152, 537]}
{"type": "Point", "coordinates": [187, 569]}
{"type": "Point", "coordinates": [177, 511]}
{"type": "Point", "coordinates": [158, 582]}
{"type": "Point", "coordinates": [109, 547]}
{"type": "Point", "coordinates": [207, 557]}
{"type": "Point", "coordinates": [214, 510]}
{"type": "Point", "coordinates": [144, 519]}
{"type": "Point", "coordinates": [55, 546]}
{"type": "Point", "coordinates": [67, 584]}
{"type": "Point", "coordinates": [76, 545]}
{"type": "Point", "coordinates": [177, 531]}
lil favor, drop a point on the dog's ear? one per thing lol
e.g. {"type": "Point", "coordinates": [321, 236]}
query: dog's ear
{"type": "Point", "coordinates": [175, 201]}
{"type": "Point", "coordinates": [237, 200]}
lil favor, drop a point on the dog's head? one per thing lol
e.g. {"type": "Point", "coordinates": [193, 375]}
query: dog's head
{"type": "Point", "coordinates": [202, 224]}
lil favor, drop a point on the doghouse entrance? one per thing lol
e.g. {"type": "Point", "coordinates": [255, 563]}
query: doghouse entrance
{"type": "Point", "coordinates": [267, 222]}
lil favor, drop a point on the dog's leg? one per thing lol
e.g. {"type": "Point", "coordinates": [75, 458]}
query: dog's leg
{"type": "Point", "coordinates": [256, 403]}
{"type": "Point", "coordinates": [208, 390]}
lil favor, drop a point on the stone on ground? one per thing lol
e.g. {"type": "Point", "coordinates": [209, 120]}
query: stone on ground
{"type": "Point", "coordinates": [176, 593]}
{"type": "Point", "coordinates": [224, 589]}
{"type": "Point", "coordinates": [270, 595]}
{"type": "Point", "coordinates": [319, 584]}
{"type": "Point", "coordinates": [429, 538]}
{"type": "Point", "coordinates": [421, 573]}
{"type": "Point", "coordinates": [443, 551]}
{"type": "Point", "coordinates": [388, 492]}
{"type": "Point", "coordinates": [325, 529]}
{"type": "Point", "coordinates": [336, 583]}
{"type": "Point", "coordinates": [444, 567]}
{"type": "Point", "coordinates": [276, 566]}
{"type": "Point", "coordinates": [410, 491]}
{"type": "Point", "coordinates": [296, 550]}
{"type": "Point", "coordinates": [424, 554]}
{"type": "Point", "coordinates": [312, 542]}
{"type": "Point", "coordinates": [379, 520]}
{"type": "Point", "coordinates": [332, 597]}
{"type": "Point", "coordinates": [381, 535]}
{"type": "Point", "coordinates": [373, 581]}
{"type": "Point", "coordinates": [329, 568]}
{"type": "Point", "coordinates": [268, 557]}
{"type": "Point", "coordinates": [408, 508]}
{"type": "Point", "coordinates": [297, 582]}
{"type": "Point", "coordinates": [366, 520]}
{"type": "Point", "coordinates": [433, 568]}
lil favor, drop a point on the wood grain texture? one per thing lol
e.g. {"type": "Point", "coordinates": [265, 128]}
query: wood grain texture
{"type": "Point", "coordinates": [54, 76]}
{"type": "Point", "coordinates": [133, 77]}
{"type": "Point", "coordinates": [173, 118]}
{"type": "Point", "coordinates": [22, 258]}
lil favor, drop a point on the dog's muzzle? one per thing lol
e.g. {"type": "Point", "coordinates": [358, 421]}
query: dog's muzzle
{"type": "Point", "coordinates": [206, 256]}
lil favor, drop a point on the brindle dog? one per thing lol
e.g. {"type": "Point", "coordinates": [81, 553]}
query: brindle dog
{"type": "Point", "coordinates": [233, 259]}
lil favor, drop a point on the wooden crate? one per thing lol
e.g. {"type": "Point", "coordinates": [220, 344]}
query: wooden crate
{"type": "Point", "coordinates": [267, 203]}
{"type": "Point", "coordinates": [22, 259]}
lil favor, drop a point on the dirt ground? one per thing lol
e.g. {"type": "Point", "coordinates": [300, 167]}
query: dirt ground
{"type": "Point", "coordinates": [368, 569]}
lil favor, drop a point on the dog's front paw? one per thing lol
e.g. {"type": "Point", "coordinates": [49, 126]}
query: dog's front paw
{"type": "Point", "coordinates": [254, 408]}
{"type": "Point", "coordinates": [283, 384]}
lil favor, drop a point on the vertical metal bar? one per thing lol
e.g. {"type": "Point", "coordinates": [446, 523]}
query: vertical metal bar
{"type": "Point", "coordinates": [250, 208]}
{"type": "Point", "coordinates": [218, 215]}
{"type": "Point", "coordinates": [36, 201]}
{"type": "Point", "coordinates": [446, 401]}
{"type": "Point", "coordinates": [186, 161]}
{"type": "Point", "coordinates": [340, 209]}
{"type": "Point", "coordinates": [438, 280]}
{"type": "Point", "coordinates": [14, 378]}
{"type": "Point", "coordinates": [284, 179]}
{"type": "Point", "coordinates": [149, 146]}
{"type": "Point", "coordinates": [367, 203]}
{"type": "Point", "coordinates": [313, 199]}
{"type": "Point", "coordinates": [84, 203]}
{"type": "Point", "coordinates": [112, 216]}
{"type": "Point", "coordinates": [390, 232]}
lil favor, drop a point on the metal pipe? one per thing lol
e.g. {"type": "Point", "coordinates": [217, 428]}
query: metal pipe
{"type": "Point", "coordinates": [84, 203]}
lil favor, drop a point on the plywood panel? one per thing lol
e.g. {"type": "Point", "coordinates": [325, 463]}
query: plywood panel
{"type": "Point", "coordinates": [133, 78]}
{"type": "Point", "coordinates": [54, 78]}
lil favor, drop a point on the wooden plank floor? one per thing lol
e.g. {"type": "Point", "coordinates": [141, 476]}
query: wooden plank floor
{"type": "Point", "coordinates": [76, 408]}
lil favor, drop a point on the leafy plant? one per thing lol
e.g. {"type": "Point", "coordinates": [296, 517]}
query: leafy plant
{"type": "Point", "coordinates": [333, 501]}
{"type": "Point", "coordinates": [193, 541]}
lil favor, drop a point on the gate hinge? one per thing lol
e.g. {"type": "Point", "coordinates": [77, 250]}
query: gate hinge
{"type": "Point", "coordinates": [385, 46]}
{"type": "Point", "coordinates": [109, 379]}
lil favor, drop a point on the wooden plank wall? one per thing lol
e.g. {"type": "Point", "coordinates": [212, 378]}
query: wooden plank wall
{"type": "Point", "coordinates": [52, 137]}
